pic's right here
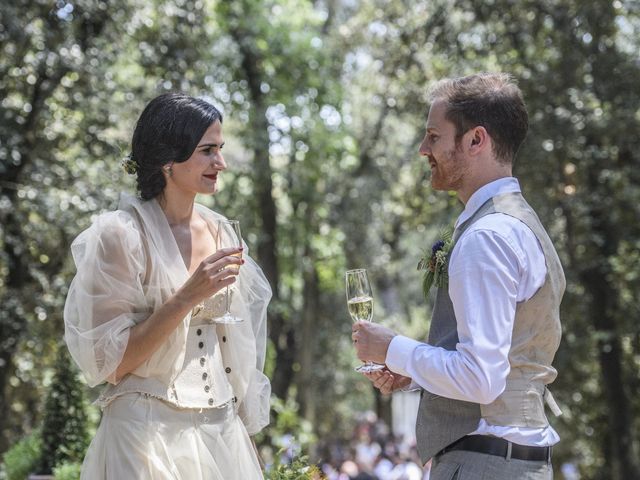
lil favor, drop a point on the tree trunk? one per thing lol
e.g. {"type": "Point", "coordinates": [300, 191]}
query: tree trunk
{"type": "Point", "coordinates": [604, 307]}
{"type": "Point", "coordinates": [383, 408]}
{"type": "Point", "coordinates": [307, 348]}
{"type": "Point", "coordinates": [621, 462]}
{"type": "Point", "coordinates": [14, 320]}
{"type": "Point", "coordinates": [282, 336]}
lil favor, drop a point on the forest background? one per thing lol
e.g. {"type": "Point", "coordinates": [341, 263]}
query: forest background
{"type": "Point", "coordinates": [325, 106]}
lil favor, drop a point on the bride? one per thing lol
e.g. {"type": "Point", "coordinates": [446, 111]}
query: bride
{"type": "Point", "coordinates": [183, 393]}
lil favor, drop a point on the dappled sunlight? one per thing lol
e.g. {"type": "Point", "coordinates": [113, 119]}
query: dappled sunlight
{"type": "Point", "coordinates": [324, 106]}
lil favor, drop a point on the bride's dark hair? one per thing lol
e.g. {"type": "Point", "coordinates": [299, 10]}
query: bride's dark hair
{"type": "Point", "coordinates": [168, 131]}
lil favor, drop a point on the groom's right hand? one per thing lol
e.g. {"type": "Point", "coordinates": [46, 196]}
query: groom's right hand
{"type": "Point", "coordinates": [387, 381]}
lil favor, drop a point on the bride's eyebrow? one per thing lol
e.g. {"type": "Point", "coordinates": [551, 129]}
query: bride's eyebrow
{"type": "Point", "coordinates": [211, 145]}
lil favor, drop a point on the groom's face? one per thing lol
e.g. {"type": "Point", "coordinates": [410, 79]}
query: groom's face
{"type": "Point", "coordinates": [439, 146]}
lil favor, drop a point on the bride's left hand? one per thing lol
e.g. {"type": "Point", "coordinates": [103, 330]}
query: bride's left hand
{"type": "Point", "coordinates": [387, 381]}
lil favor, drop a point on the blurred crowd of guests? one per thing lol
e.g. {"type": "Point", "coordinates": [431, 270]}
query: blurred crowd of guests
{"type": "Point", "coordinates": [373, 453]}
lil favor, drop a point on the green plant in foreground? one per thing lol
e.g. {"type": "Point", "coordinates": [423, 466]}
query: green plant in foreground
{"type": "Point", "coordinates": [67, 471]}
{"type": "Point", "coordinates": [64, 432]}
{"type": "Point", "coordinates": [298, 469]}
{"type": "Point", "coordinates": [21, 459]}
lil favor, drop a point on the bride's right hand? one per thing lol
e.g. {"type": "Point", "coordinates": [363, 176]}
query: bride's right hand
{"type": "Point", "coordinates": [212, 275]}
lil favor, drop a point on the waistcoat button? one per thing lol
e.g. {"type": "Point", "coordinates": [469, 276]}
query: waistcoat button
{"type": "Point", "coordinates": [204, 376]}
{"type": "Point", "coordinates": [228, 370]}
{"type": "Point", "coordinates": [201, 344]}
{"type": "Point", "coordinates": [224, 339]}
{"type": "Point", "coordinates": [207, 388]}
{"type": "Point", "coordinates": [199, 332]}
{"type": "Point", "coordinates": [202, 360]}
{"type": "Point", "coordinates": [211, 401]}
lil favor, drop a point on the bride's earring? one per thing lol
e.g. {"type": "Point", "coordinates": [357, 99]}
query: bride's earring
{"type": "Point", "coordinates": [168, 170]}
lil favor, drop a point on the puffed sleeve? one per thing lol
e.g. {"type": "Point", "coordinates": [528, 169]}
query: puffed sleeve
{"type": "Point", "coordinates": [106, 297]}
{"type": "Point", "coordinates": [247, 346]}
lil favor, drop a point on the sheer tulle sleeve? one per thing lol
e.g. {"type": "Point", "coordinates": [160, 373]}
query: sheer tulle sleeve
{"type": "Point", "coordinates": [106, 297]}
{"type": "Point", "coordinates": [247, 346]}
{"type": "Point", "coordinates": [254, 410]}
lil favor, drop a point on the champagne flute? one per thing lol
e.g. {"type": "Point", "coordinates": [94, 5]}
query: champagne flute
{"type": "Point", "coordinates": [360, 305]}
{"type": "Point", "coordinates": [228, 235]}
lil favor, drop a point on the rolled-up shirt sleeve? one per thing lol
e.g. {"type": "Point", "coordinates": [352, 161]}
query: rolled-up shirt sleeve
{"type": "Point", "coordinates": [106, 297]}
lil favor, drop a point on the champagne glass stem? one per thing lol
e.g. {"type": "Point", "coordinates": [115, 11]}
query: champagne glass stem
{"type": "Point", "coordinates": [228, 235]}
{"type": "Point", "coordinates": [226, 298]}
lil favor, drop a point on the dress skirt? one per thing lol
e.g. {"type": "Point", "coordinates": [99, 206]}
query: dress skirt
{"type": "Point", "coordinates": [142, 437]}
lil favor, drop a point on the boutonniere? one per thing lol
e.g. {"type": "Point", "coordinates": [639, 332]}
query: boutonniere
{"type": "Point", "coordinates": [435, 263]}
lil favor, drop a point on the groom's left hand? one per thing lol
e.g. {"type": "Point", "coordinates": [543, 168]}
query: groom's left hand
{"type": "Point", "coordinates": [371, 341]}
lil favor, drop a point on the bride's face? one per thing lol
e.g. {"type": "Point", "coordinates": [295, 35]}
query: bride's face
{"type": "Point", "coordinates": [199, 173]}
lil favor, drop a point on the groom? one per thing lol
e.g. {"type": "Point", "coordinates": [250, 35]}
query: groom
{"type": "Point", "coordinates": [495, 326]}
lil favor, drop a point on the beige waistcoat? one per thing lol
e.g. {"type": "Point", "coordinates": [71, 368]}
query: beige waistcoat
{"type": "Point", "coordinates": [535, 340]}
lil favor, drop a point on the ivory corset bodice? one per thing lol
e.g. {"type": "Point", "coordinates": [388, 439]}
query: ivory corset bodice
{"type": "Point", "coordinates": [203, 381]}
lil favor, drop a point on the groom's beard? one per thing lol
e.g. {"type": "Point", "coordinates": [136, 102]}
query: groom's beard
{"type": "Point", "coordinates": [449, 172]}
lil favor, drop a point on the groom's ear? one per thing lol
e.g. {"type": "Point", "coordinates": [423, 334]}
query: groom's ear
{"type": "Point", "coordinates": [479, 139]}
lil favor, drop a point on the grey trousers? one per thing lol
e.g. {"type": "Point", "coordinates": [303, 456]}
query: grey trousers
{"type": "Point", "coordinates": [462, 465]}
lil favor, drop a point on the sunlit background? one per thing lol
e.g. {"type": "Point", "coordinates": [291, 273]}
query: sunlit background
{"type": "Point", "coordinates": [325, 105]}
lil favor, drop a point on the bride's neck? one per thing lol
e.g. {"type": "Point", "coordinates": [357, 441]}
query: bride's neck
{"type": "Point", "coordinates": [177, 208]}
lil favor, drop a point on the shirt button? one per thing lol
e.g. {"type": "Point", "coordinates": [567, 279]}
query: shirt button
{"type": "Point", "coordinates": [211, 401]}
{"type": "Point", "coordinates": [201, 344]}
{"type": "Point", "coordinates": [224, 339]}
{"type": "Point", "coordinates": [207, 388]}
{"type": "Point", "coordinates": [204, 376]}
{"type": "Point", "coordinates": [199, 332]}
{"type": "Point", "coordinates": [228, 370]}
{"type": "Point", "coordinates": [202, 360]}
{"type": "Point", "coordinates": [235, 399]}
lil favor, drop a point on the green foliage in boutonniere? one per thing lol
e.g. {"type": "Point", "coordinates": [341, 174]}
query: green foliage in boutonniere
{"type": "Point", "coordinates": [435, 263]}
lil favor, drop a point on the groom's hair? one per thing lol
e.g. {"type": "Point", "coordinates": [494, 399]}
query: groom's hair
{"type": "Point", "coordinates": [489, 100]}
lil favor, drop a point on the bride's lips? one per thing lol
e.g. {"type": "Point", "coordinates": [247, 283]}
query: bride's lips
{"type": "Point", "coordinates": [211, 176]}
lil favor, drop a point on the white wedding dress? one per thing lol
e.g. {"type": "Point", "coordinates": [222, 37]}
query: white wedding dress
{"type": "Point", "coordinates": [187, 412]}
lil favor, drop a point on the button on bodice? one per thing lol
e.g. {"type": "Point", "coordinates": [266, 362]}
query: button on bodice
{"type": "Point", "coordinates": [202, 382]}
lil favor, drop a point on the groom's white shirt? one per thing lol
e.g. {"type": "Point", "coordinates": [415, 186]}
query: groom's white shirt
{"type": "Point", "coordinates": [496, 263]}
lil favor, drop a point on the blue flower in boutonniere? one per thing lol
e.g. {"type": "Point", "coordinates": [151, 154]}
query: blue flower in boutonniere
{"type": "Point", "coordinates": [435, 263]}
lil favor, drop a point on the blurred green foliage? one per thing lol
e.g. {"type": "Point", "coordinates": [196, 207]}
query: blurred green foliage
{"type": "Point", "coordinates": [65, 424]}
{"type": "Point", "coordinates": [325, 104]}
{"type": "Point", "coordinates": [298, 469]}
{"type": "Point", "coordinates": [67, 471]}
{"type": "Point", "coordinates": [23, 457]}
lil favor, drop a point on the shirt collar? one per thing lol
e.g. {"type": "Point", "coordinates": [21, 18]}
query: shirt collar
{"type": "Point", "coordinates": [484, 193]}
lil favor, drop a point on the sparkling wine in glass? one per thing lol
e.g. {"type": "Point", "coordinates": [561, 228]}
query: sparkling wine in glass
{"type": "Point", "coordinates": [228, 235]}
{"type": "Point", "coordinates": [360, 305]}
